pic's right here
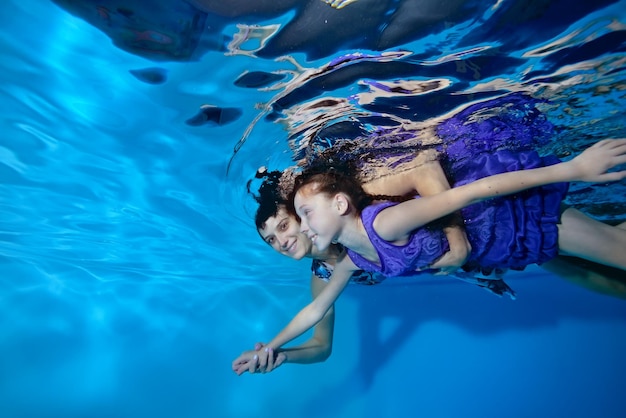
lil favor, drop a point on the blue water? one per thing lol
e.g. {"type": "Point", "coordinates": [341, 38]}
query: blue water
{"type": "Point", "coordinates": [130, 272]}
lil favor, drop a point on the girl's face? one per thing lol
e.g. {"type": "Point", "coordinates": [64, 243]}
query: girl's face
{"type": "Point", "coordinates": [320, 216]}
{"type": "Point", "coordinates": [282, 233]}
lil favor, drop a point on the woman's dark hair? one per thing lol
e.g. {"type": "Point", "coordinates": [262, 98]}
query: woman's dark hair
{"type": "Point", "coordinates": [269, 196]}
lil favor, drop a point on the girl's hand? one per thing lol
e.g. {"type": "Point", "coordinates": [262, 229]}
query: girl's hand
{"type": "Point", "coordinates": [268, 360]}
{"type": "Point", "coordinates": [251, 360]}
{"type": "Point", "coordinates": [593, 164]}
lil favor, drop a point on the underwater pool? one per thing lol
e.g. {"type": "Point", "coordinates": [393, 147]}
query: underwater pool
{"type": "Point", "coordinates": [131, 274]}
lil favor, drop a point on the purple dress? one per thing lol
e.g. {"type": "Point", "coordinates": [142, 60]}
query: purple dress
{"type": "Point", "coordinates": [508, 232]}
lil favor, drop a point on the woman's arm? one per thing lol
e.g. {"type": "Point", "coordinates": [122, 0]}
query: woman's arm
{"type": "Point", "coordinates": [397, 222]}
{"type": "Point", "coordinates": [429, 179]}
{"type": "Point", "coordinates": [426, 178]}
{"type": "Point", "coordinates": [315, 350]}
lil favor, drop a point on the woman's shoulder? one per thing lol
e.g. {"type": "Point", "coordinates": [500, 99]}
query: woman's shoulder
{"type": "Point", "coordinates": [324, 270]}
{"type": "Point", "coordinates": [321, 269]}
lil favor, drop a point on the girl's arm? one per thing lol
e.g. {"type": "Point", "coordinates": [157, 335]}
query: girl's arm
{"type": "Point", "coordinates": [319, 347]}
{"type": "Point", "coordinates": [315, 350]}
{"type": "Point", "coordinates": [313, 312]}
{"type": "Point", "coordinates": [397, 222]}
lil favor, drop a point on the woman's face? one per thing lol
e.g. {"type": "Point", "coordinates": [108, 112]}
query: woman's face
{"type": "Point", "coordinates": [282, 233]}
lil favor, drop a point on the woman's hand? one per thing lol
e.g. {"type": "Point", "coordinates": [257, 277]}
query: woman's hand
{"type": "Point", "coordinates": [460, 250]}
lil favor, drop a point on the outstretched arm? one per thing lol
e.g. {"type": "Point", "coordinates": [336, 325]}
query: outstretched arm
{"type": "Point", "coordinates": [397, 222]}
{"type": "Point", "coordinates": [315, 350]}
{"type": "Point", "coordinates": [319, 347]}
{"type": "Point", "coordinates": [315, 311]}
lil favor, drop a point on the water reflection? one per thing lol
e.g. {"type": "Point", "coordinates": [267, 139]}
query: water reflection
{"type": "Point", "coordinates": [124, 252]}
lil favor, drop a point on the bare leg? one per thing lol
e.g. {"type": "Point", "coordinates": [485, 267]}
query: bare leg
{"type": "Point", "coordinates": [599, 278]}
{"type": "Point", "coordinates": [584, 237]}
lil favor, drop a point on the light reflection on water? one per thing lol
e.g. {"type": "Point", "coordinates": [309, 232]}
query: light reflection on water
{"type": "Point", "coordinates": [131, 275]}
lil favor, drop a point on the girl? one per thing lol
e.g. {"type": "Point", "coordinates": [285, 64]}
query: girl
{"type": "Point", "coordinates": [334, 209]}
{"type": "Point", "coordinates": [279, 227]}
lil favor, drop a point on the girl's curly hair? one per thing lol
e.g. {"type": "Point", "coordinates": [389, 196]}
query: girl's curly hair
{"type": "Point", "coordinates": [330, 175]}
{"type": "Point", "coordinates": [332, 170]}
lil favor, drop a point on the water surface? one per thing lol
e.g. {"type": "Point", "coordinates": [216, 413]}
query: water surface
{"type": "Point", "coordinates": [130, 271]}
